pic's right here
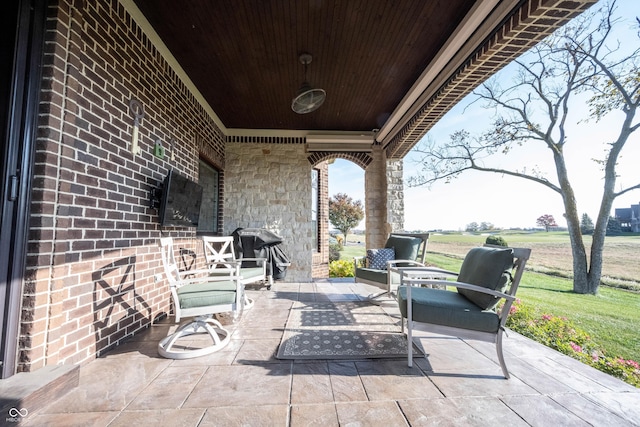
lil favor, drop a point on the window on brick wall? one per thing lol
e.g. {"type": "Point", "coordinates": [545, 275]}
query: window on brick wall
{"type": "Point", "coordinates": [315, 203]}
{"type": "Point", "coordinates": [209, 179]}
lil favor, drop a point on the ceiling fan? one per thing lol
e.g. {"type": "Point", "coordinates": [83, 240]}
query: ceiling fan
{"type": "Point", "coordinates": [308, 99]}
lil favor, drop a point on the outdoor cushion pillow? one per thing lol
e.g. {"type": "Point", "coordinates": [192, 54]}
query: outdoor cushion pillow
{"type": "Point", "coordinates": [487, 267]}
{"type": "Point", "coordinates": [406, 247]}
{"type": "Point", "coordinates": [377, 258]}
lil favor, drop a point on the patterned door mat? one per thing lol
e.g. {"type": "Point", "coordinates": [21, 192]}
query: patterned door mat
{"type": "Point", "coordinates": [341, 330]}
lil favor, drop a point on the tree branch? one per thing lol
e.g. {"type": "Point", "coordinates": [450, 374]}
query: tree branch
{"type": "Point", "coordinates": [539, 180]}
{"type": "Point", "coordinates": [626, 190]}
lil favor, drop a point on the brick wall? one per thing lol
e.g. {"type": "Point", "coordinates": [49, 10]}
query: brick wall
{"type": "Point", "coordinates": [320, 267]}
{"type": "Point", "coordinates": [93, 237]}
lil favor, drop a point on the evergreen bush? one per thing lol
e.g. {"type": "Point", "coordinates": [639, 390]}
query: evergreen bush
{"type": "Point", "coordinates": [496, 240]}
{"type": "Point", "coordinates": [341, 268]}
{"type": "Point", "coordinates": [334, 251]}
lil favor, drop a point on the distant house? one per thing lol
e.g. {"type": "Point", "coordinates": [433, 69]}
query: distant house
{"type": "Point", "coordinates": [629, 218]}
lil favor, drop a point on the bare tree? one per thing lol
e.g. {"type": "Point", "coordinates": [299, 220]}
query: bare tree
{"type": "Point", "coordinates": [581, 59]}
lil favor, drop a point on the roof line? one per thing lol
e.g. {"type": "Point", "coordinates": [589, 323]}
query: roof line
{"type": "Point", "coordinates": [471, 22]}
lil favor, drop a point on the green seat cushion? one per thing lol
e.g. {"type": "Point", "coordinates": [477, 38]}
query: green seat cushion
{"type": "Point", "coordinates": [487, 267]}
{"type": "Point", "coordinates": [447, 308]}
{"type": "Point", "coordinates": [205, 294]}
{"type": "Point", "coordinates": [220, 272]}
{"type": "Point", "coordinates": [378, 276]}
{"type": "Point", "coordinates": [405, 247]}
{"type": "Point", "coordinates": [251, 272]}
{"type": "Point", "coordinates": [246, 273]}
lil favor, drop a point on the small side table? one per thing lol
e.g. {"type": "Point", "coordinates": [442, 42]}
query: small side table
{"type": "Point", "coordinates": [429, 273]}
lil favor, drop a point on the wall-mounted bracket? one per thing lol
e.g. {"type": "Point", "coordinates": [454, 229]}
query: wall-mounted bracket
{"type": "Point", "coordinates": [158, 149]}
{"type": "Point", "coordinates": [155, 198]}
{"type": "Point", "coordinates": [137, 111]}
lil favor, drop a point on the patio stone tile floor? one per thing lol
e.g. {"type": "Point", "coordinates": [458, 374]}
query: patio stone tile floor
{"type": "Point", "coordinates": [457, 383]}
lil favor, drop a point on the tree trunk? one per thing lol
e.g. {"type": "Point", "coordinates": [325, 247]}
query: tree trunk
{"type": "Point", "coordinates": [346, 233]}
{"type": "Point", "coordinates": [600, 230]}
{"type": "Point", "coordinates": [597, 244]}
{"type": "Point", "coordinates": [580, 267]}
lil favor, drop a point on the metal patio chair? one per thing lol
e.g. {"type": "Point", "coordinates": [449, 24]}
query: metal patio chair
{"type": "Point", "coordinates": [487, 275]}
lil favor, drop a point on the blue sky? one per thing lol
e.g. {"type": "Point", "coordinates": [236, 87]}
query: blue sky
{"type": "Point", "coordinates": [506, 201]}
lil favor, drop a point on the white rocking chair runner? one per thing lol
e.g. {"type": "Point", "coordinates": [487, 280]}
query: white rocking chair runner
{"type": "Point", "coordinates": [199, 297]}
{"type": "Point", "coordinates": [199, 324]}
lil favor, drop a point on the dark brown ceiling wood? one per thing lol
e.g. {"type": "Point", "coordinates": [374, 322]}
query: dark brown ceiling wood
{"type": "Point", "coordinates": [243, 55]}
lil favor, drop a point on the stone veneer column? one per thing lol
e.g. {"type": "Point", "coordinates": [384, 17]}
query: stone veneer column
{"type": "Point", "coordinates": [384, 198]}
{"type": "Point", "coordinates": [375, 196]}
{"type": "Point", "coordinates": [395, 195]}
{"type": "Point", "coordinates": [269, 186]}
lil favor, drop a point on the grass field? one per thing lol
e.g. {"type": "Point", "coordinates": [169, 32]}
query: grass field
{"type": "Point", "coordinates": [611, 317]}
{"type": "Point", "coordinates": [551, 252]}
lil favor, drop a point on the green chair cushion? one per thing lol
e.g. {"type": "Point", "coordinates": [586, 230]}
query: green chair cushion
{"type": "Point", "coordinates": [247, 273]}
{"type": "Point", "coordinates": [378, 276]}
{"type": "Point", "coordinates": [487, 267]}
{"type": "Point", "coordinates": [447, 308]}
{"type": "Point", "coordinates": [406, 247]}
{"type": "Point", "coordinates": [251, 272]}
{"type": "Point", "coordinates": [205, 294]}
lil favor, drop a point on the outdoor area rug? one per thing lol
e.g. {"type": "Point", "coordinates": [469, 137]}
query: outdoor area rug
{"type": "Point", "coordinates": [341, 330]}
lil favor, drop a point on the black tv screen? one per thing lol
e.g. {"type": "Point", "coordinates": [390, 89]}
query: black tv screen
{"type": "Point", "coordinates": [181, 200]}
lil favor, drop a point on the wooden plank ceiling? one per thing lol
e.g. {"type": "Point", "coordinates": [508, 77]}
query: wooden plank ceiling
{"type": "Point", "coordinates": [243, 55]}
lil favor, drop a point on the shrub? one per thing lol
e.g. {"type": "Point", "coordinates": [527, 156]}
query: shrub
{"type": "Point", "coordinates": [496, 240]}
{"type": "Point", "coordinates": [561, 334]}
{"type": "Point", "coordinates": [341, 268]}
{"type": "Point", "coordinates": [334, 251]}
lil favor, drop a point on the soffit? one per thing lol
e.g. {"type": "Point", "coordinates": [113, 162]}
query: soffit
{"type": "Point", "coordinates": [375, 59]}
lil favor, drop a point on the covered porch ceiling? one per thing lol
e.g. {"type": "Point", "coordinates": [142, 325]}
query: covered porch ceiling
{"type": "Point", "coordinates": [390, 69]}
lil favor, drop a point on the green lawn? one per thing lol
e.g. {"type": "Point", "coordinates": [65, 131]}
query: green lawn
{"type": "Point", "coordinates": [349, 251]}
{"type": "Point", "coordinates": [611, 317]}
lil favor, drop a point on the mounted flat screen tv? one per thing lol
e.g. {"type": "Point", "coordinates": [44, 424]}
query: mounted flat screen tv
{"type": "Point", "coordinates": [180, 203]}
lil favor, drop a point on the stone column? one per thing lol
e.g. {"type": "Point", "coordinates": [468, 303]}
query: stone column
{"type": "Point", "coordinates": [375, 187]}
{"type": "Point", "coordinates": [395, 195]}
{"type": "Point", "coordinates": [269, 186]}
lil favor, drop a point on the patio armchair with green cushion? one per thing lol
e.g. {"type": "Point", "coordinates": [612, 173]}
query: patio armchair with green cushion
{"type": "Point", "coordinates": [220, 255]}
{"type": "Point", "coordinates": [487, 275]}
{"type": "Point", "coordinates": [199, 296]}
{"type": "Point", "coordinates": [400, 250]}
